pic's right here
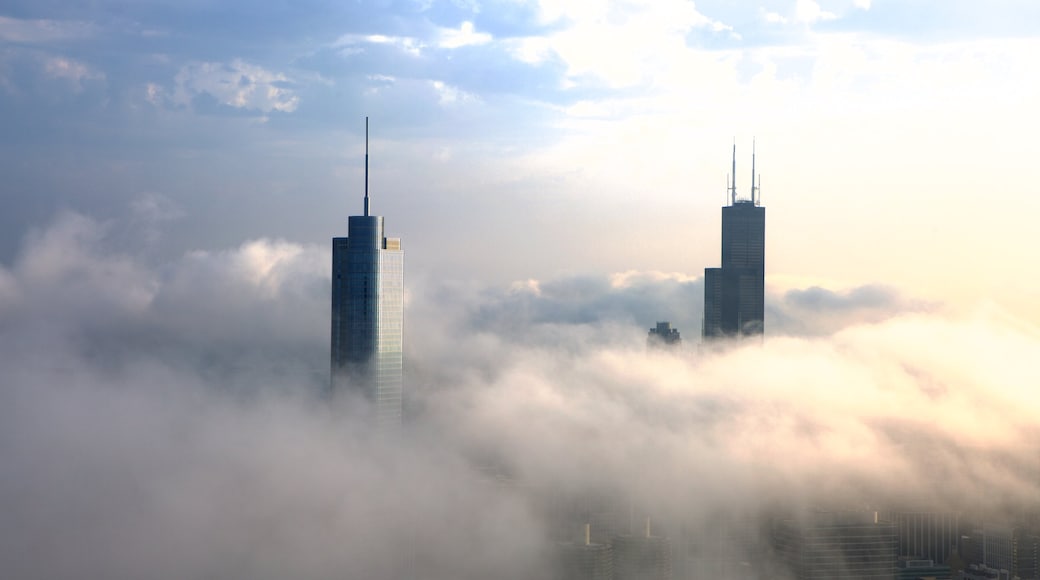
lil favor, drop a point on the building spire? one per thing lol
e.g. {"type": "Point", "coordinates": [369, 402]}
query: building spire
{"type": "Point", "coordinates": [753, 187]}
{"type": "Point", "coordinates": [366, 166]}
{"type": "Point", "coordinates": [733, 186]}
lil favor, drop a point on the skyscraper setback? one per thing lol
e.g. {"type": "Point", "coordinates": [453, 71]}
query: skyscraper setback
{"type": "Point", "coordinates": [734, 295]}
{"type": "Point", "coordinates": [367, 313]}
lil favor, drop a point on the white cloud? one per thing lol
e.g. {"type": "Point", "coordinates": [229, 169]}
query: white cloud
{"type": "Point", "coordinates": [809, 12]}
{"type": "Point", "coordinates": [237, 84]}
{"type": "Point", "coordinates": [633, 277]}
{"type": "Point", "coordinates": [448, 95]}
{"type": "Point", "coordinates": [772, 17]}
{"type": "Point", "coordinates": [68, 267]}
{"type": "Point", "coordinates": [775, 419]}
{"type": "Point", "coordinates": [262, 264]}
{"type": "Point", "coordinates": [350, 44]}
{"type": "Point", "coordinates": [446, 38]}
{"type": "Point", "coordinates": [466, 35]}
{"type": "Point", "coordinates": [861, 4]}
{"type": "Point", "coordinates": [619, 44]}
{"type": "Point", "coordinates": [72, 71]}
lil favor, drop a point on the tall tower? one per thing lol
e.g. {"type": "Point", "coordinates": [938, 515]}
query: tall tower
{"type": "Point", "coordinates": [734, 295]}
{"type": "Point", "coordinates": [367, 313]}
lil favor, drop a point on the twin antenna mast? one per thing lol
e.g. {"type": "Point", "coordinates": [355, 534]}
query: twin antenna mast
{"type": "Point", "coordinates": [731, 183]}
{"type": "Point", "coordinates": [366, 166]}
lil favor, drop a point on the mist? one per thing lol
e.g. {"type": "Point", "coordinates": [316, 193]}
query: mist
{"type": "Point", "coordinates": [163, 418]}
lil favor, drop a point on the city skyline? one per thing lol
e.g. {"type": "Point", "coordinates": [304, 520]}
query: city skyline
{"type": "Point", "coordinates": [174, 173]}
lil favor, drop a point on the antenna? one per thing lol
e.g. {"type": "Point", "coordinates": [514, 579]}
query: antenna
{"type": "Point", "coordinates": [366, 166]}
{"type": "Point", "coordinates": [733, 187]}
{"type": "Point", "coordinates": [753, 188]}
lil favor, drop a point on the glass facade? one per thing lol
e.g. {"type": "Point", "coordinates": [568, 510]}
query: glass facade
{"type": "Point", "coordinates": [734, 295]}
{"type": "Point", "coordinates": [835, 546]}
{"type": "Point", "coordinates": [367, 352]}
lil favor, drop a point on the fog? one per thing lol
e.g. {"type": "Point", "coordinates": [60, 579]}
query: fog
{"type": "Point", "coordinates": [163, 418]}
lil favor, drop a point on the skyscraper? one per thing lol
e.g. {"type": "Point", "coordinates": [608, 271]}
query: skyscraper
{"type": "Point", "coordinates": [367, 313]}
{"type": "Point", "coordinates": [663, 336]}
{"type": "Point", "coordinates": [734, 295]}
{"type": "Point", "coordinates": [838, 546]}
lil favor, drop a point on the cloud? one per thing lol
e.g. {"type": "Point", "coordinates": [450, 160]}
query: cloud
{"type": "Point", "coordinates": [351, 44]}
{"type": "Point", "coordinates": [621, 45]}
{"type": "Point", "coordinates": [821, 311]}
{"type": "Point", "coordinates": [809, 12]}
{"type": "Point", "coordinates": [76, 72]}
{"type": "Point", "coordinates": [773, 17]}
{"type": "Point", "coordinates": [466, 35]}
{"type": "Point", "coordinates": [236, 84]}
{"type": "Point", "coordinates": [160, 420]}
{"type": "Point", "coordinates": [447, 39]}
{"type": "Point", "coordinates": [151, 211]}
{"type": "Point", "coordinates": [44, 31]}
{"type": "Point", "coordinates": [448, 95]}
{"type": "Point", "coordinates": [66, 269]}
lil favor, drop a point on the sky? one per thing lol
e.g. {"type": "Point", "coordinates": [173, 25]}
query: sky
{"type": "Point", "coordinates": [515, 140]}
{"type": "Point", "coordinates": [172, 173]}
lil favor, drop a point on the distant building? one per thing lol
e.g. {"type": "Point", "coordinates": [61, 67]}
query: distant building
{"type": "Point", "coordinates": [980, 572]}
{"type": "Point", "coordinates": [998, 547]}
{"type": "Point", "coordinates": [367, 354]}
{"type": "Point", "coordinates": [663, 336]}
{"type": "Point", "coordinates": [838, 546]}
{"type": "Point", "coordinates": [642, 557]}
{"type": "Point", "coordinates": [1004, 549]}
{"type": "Point", "coordinates": [926, 535]}
{"type": "Point", "coordinates": [724, 544]}
{"type": "Point", "coordinates": [734, 294]}
{"type": "Point", "coordinates": [922, 570]}
{"type": "Point", "coordinates": [1027, 554]}
{"type": "Point", "coordinates": [583, 560]}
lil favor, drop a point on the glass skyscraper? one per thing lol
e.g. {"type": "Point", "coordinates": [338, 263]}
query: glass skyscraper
{"type": "Point", "coordinates": [734, 295]}
{"type": "Point", "coordinates": [367, 313]}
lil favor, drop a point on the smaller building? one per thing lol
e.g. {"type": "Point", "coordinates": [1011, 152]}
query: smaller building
{"type": "Point", "coordinates": [583, 560]}
{"type": "Point", "coordinates": [981, 572]}
{"type": "Point", "coordinates": [663, 336]}
{"type": "Point", "coordinates": [915, 569]}
{"type": "Point", "coordinates": [838, 546]}
{"type": "Point", "coordinates": [643, 557]}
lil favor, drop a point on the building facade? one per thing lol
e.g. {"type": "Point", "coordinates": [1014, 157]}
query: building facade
{"type": "Point", "coordinates": [663, 336]}
{"type": "Point", "coordinates": [367, 350]}
{"type": "Point", "coordinates": [838, 546]}
{"type": "Point", "coordinates": [734, 294]}
{"type": "Point", "coordinates": [926, 535]}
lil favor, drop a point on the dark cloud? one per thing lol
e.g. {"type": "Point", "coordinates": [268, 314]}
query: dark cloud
{"type": "Point", "coordinates": [821, 299]}
{"type": "Point", "coordinates": [817, 310]}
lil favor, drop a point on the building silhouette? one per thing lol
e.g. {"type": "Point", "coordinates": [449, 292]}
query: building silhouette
{"type": "Point", "coordinates": [583, 560]}
{"type": "Point", "coordinates": [663, 336]}
{"type": "Point", "coordinates": [642, 557]}
{"type": "Point", "coordinates": [367, 313]}
{"type": "Point", "coordinates": [838, 546]}
{"type": "Point", "coordinates": [926, 535]}
{"type": "Point", "coordinates": [734, 295]}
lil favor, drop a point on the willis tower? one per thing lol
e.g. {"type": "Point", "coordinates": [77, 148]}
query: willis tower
{"type": "Point", "coordinates": [367, 313]}
{"type": "Point", "coordinates": [734, 295]}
